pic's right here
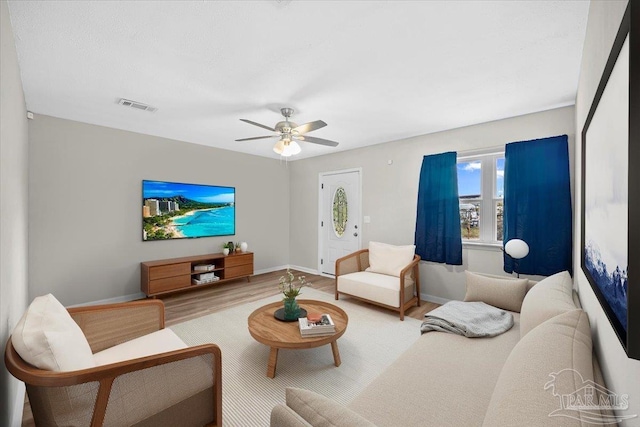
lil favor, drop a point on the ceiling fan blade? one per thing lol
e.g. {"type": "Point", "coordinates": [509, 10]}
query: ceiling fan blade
{"type": "Point", "coordinates": [319, 141]}
{"type": "Point", "coordinates": [258, 137]}
{"type": "Point", "coordinates": [308, 127]}
{"type": "Point", "coordinates": [258, 124]}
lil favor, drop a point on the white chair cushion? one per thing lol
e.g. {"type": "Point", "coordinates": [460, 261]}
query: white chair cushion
{"type": "Point", "coordinates": [389, 259]}
{"type": "Point", "coordinates": [48, 338]}
{"type": "Point", "coordinates": [157, 342]}
{"type": "Point", "coordinates": [137, 396]}
{"type": "Point", "coordinates": [375, 287]}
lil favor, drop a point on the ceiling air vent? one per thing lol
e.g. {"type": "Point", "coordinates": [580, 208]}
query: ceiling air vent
{"type": "Point", "coordinates": [281, 3]}
{"type": "Point", "coordinates": [136, 105]}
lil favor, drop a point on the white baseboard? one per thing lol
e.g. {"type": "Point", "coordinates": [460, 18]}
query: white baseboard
{"type": "Point", "coordinates": [18, 406]}
{"type": "Point", "coordinates": [140, 295]}
{"type": "Point", "coordinates": [124, 298]}
{"type": "Point", "coordinates": [303, 269]}
{"type": "Point", "coordinates": [284, 267]}
{"type": "Point", "coordinates": [432, 298]}
{"type": "Point", "coordinates": [270, 269]}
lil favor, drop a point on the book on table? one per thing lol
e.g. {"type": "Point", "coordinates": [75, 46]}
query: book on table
{"type": "Point", "coordinates": [323, 326]}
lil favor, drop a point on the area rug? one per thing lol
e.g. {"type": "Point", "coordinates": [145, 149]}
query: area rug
{"type": "Point", "coordinates": [372, 341]}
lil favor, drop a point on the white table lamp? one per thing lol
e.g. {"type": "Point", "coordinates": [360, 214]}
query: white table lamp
{"type": "Point", "coordinates": [516, 249]}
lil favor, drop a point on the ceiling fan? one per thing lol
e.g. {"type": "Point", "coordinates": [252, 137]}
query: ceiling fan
{"type": "Point", "coordinates": [289, 133]}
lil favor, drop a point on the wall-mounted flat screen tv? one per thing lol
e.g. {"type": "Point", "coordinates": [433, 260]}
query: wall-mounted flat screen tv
{"type": "Point", "coordinates": [172, 210]}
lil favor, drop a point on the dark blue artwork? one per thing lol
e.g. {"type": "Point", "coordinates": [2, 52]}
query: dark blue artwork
{"type": "Point", "coordinates": [612, 284]}
{"type": "Point", "coordinates": [606, 195]}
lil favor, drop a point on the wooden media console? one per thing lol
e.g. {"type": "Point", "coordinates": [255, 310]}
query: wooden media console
{"type": "Point", "coordinates": [179, 274]}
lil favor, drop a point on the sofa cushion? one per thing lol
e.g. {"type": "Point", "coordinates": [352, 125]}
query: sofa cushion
{"type": "Point", "coordinates": [375, 287]}
{"type": "Point", "coordinates": [157, 342]}
{"type": "Point", "coordinates": [503, 293]}
{"type": "Point", "coordinates": [548, 298]}
{"type": "Point", "coordinates": [320, 411]}
{"type": "Point", "coordinates": [389, 259]}
{"type": "Point", "coordinates": [551, 361]}
{"type": "Point", "coordinates": [442, 380]}
{"type": "Point", "coordinates": [47, 337]}
{"type": "Point", "coordinates": [283, 416]}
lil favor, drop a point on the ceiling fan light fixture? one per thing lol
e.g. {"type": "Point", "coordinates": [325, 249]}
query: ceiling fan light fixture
{"type": "Point", "coordinates": [289, 132]}
{"type": "Point", "coordinates": [291, 149]}
{"type": "Point", "coordinates": [279, 147]}
{"type": "Point", "coordinates": [286, 149]}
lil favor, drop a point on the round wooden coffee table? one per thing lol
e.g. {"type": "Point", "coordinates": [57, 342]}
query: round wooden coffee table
{"type": "Point", "coordinates": [267, 330]}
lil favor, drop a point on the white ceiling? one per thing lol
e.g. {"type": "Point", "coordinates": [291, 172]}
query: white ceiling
{"type": "Point", "coordinates": [375, 71]}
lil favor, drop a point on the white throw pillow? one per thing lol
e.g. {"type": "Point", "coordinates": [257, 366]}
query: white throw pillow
{"type": "Point", "coordinates": [550, 297]}
{"type": "Point", "coordinates": [389, 259]}
{"type": "Point", "coordinates": [320, 411]}
{"type": "Point", "coordinates": [505, 293]}
{"type": "Point", "coordinates": [47, 337]}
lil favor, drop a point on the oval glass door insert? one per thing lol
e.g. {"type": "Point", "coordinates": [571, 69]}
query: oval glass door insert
{"type": "Point", "coordinates": [340, 211]}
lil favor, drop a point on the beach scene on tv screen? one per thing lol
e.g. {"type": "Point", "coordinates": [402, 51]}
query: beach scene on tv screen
{"type": "Point", "coordinates": [172, 210]}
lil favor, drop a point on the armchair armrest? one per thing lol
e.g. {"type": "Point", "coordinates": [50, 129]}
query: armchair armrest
{"type": "Point", "coordinates": [354, 262]}
{"type": "Point", "coordinates": [44, 383]}
{"type": "Point", "coordinates": [111, 324]}
{"type": "Point", "coordinates": [412, 267]}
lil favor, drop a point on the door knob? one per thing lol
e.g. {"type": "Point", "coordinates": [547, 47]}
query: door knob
{"type": "Point", "coordinates": [355, 234]}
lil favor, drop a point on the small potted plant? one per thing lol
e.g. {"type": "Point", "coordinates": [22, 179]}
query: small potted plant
{"type": "Point", "coordinates": [290, 289]}
{"type": "Point", "coordinates": [238, 250]}
{"type": "Point", "coordinates": [226, 249]}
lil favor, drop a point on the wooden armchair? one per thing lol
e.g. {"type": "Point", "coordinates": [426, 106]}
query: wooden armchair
{"type": "Point", "coordinates": [396, 293]}
{"type": "Point", "coordinates": [147, 391]}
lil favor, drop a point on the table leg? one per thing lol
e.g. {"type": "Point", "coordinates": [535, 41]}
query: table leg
{"type": "Point", "coordinates": [273, 360]}
{"type": "Point", "coordinates": [336, 353]}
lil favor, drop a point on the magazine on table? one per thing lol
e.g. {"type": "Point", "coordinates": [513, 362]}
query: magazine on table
{"type": "Point", "coordinates": [318, 325]}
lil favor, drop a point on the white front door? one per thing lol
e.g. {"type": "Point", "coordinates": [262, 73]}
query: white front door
{"type": "Point", "coordinates": [339, 217]}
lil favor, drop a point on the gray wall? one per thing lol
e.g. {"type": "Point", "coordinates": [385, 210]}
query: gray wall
{"type": "Point", "coordinates": [13, 210]}
{"type": "Point", "coordinates": [621, 373]}
{"type": "Point", "coordinates": [86, 206]}
{"type": "Point", "coordinates": [389, 192]}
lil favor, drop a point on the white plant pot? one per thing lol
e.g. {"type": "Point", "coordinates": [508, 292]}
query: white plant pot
{"type": "Point", "coordinates": [243, 246]}
{"type": "Point", "coordinates": [225, 251]}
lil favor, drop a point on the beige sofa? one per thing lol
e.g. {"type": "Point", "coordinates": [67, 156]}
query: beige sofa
{"type": "Point", "coordinates": [514, 379]}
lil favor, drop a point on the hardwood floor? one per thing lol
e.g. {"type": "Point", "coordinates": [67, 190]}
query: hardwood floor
{"type": "Point", "coordinates": [189, 305]}
{"type": "Point", "coordinates": [181, 307]}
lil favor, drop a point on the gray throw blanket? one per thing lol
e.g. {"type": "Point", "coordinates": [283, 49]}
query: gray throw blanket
{"type": "Point", "coordinates": [469, 319]}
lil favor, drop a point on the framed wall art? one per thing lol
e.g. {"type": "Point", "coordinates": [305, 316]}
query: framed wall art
{"type": "Point", "coordinates": [610, 235]}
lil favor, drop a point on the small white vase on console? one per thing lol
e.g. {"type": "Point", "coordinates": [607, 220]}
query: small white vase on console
{"type": "Point", "coordinates": [243, 246]}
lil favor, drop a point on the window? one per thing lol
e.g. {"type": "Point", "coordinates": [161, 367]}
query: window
{"type": "Point", "coordinates": [481, 192]}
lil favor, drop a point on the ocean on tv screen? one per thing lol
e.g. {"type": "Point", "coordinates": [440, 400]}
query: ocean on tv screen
{"type": "Point", "coordinates": [208, 222]}
{"type": "Point", "coordinates": [175, 211]}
